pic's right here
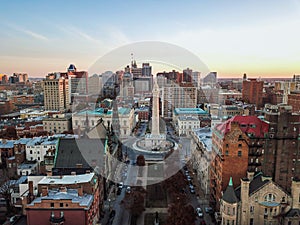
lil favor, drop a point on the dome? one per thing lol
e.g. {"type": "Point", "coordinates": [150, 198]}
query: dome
{"type": "Point", "coordinates": [72, 68]}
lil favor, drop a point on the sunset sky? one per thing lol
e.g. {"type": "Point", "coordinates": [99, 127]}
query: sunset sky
{"type": "Point", "coordinates": [260, 38]}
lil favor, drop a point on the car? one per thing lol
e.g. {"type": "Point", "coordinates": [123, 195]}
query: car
{"type": "Point", "coordinates": [119, 191]}
{"type": "Point", "coordinates": [192, 190]}
{"type": "Point", "coordinates": [121, 185]}
{"type": "Point", "coordinates": [189, 178]}
{"type": "Point", "coordinates": [191, 186]}
{"type": "Point", "coordinates": [209, 210]}
{"type": "Point", "coordinates": [128, 190]}
{"type": "Point", "coordinates": [199, 212]}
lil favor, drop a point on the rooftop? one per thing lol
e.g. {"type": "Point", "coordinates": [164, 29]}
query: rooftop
{"type": "Point", "coordinates": [195, 111]}
{"type": "Point", "coordinates": [102, 112]}
{"type": "Point", "coordinates": [71, 194]}
{"type": "Point", "coordinates": [205, 136]}
{"type": "Point", "coordinates": [251, 125]}
{"type": "Point", "coordinates": [68, 179]}
{"type": "Point", "coordinates": [26, 166]}
{"type": "Point", "coordinates": [6, 144]}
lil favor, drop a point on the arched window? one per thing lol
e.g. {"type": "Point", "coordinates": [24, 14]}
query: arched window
{"type": "Point", "coordinates": [270, 198]}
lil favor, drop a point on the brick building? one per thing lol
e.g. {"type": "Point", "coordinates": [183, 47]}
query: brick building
{"type": "Point", "coordinates": [282, 155]}
{"type": "Point", "coordinates": [237, 142]}
{"type": "Point", "coordinates": [253, 92]}
{"type": "Point", "coordinates": [72, 199]}
{"type": "Point", "coordinates": [294, 101]}
{"type": "Point", "coordinates": [23, 99]}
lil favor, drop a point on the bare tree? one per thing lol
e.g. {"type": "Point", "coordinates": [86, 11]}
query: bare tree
{"type": "Point", "coordinates": [6, 190]}
{"type": "Point", "coordinates": [134, 202]}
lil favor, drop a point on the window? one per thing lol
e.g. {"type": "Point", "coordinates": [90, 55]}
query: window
{"type": "Point", "coordinates": [30, 151]}
{"type": "Point", "coordinates": [227, 145]}
{"type": "Point", "coordinates": [251, 221]}
{"type": "Point", "coordinates": [52, 204]}
{"type": "Point", "coordinates": [239, 153]}
{"type": "Point", "coordinates": [240, 145]}
{"type": "Point", "coordinates": [233, 211]}
{"type": "Point", "coordinates": [270, 198]}
{"type": "Point", "coordinates": [61, 204]}
{"type": "Point", "coordinates": [251, 209]}
{"type": "Point", "coordinates": [226, 153]}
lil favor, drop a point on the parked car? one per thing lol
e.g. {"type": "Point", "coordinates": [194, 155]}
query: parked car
{"type": "Point", "coordinates": [209, 210]}
{"type": "Point", "coordinates": [189, 178]}
{"type": "Point", "coordinates": [199, 212]}
{"type": "Point", "coordinates": [192, 190]}
{"type": "Point", "coordinates": [121, 185]}
{"type": "Point", "coordinates": [128, 190]}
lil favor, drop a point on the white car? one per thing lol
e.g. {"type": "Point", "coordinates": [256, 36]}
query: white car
{"type": "Point", "coordinates": [199, 212]}
{"type": "Point", "coordinates": [128, 190]}
{"type": "Point", "coordinates": [121, 185]}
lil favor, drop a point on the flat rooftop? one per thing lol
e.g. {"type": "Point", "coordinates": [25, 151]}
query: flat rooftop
{"type": "Point", "coordinates": [68, 179]}
{"type": "Point", "coordinates": [194, 111]}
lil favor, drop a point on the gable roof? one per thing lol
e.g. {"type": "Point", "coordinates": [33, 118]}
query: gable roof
{"type": "Point", "coordinates": [254, 185]}
{"type": "Point", "coordinates": [87, 152]}
{"type": "Point", "coordinates": [248, 125]}
{"type": "Point", "coordinates": [293, 213]}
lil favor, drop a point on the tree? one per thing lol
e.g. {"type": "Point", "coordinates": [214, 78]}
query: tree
{"type": "Point", "coordinates": [134, 202]}
{"type": "Point", "coordinates": [6, 190]}
{"type": "Point", "coordinates": [140, 161]}
{"type": "Point", "coordinates": [181, 213]}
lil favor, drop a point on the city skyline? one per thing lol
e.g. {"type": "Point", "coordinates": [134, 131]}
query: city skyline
{"type": "Point", "coordinates": [232, 38]}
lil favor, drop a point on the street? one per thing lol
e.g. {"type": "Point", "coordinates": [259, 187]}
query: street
{"type": "Point", "coordinates": [128, 175]}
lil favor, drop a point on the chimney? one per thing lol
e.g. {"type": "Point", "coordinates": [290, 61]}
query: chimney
{"type": "Point", "coordinates": [87, 171]}
{"type": "Point", "coordinates": [49, 173]}
{"type": "Point", "coordinates": [44, 191]}
{"type": "Point", "coordinates": [80, 190]}
{"type": "Point", "coordinates": [73, 173]}
{"type": "Point", "coordinates": [250, 175]}
{"type": "Point", "coordinates": [63, 189]}
{"type": "Point", "coordinates": [30, 187]}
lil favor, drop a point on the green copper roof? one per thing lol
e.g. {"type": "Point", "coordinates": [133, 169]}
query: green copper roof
{"type": "Point", "coordinates": [230, 182]}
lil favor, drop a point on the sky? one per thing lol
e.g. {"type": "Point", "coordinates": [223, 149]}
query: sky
{"type": "Point", "coordinates": [260, 38]}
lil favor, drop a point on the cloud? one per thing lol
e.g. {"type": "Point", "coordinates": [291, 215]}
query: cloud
{"type": "Point", "coordinates": [29, 32]}
{"type": "Point", "coordinates": [76, 31]}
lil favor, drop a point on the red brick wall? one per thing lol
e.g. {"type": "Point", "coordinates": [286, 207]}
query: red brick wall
{"type": "Point", "coordinates": [41, 216]}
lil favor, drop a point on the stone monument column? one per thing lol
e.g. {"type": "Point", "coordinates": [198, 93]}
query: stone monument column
{"type": "Point", "coordinates": [155, 109]}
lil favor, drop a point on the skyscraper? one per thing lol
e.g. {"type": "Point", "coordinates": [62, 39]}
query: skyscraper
{"type": "Point", "coordinates": [56, 92]}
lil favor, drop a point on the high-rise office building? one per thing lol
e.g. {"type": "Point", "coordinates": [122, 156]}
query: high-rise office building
{"type": "Point", "coordinates": [78, 80]}
{"type": "Point", "coordinates": [253, 92]}
{"type": "Point", "coordinates": [146, 69]}
{"type": "Point", "coordinates": [56, 92]}
{"type": "Point", "coordinates": [178, 96]}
